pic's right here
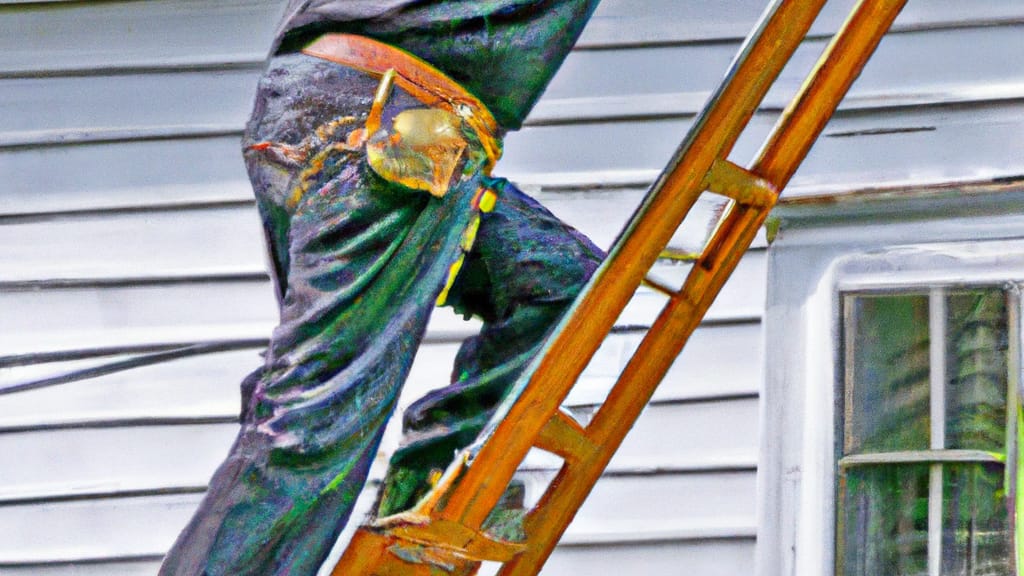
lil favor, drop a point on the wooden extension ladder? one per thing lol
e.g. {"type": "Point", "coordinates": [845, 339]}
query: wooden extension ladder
{"type": "Point", "coordinates": [443, 535]}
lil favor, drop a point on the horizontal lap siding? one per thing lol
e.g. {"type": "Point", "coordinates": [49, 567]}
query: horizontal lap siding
{"type": "Point", "coordinates": [153, 457]}
{"type": "Point", "coordinates": [118, 567]}
{"type": "Point", "coordinates": [127, 227]}
{"type": "Point", "coordinates": [38, 39]}
{"type": "Point", "coordinates": [197, 387]}
{"type": "Point", "coordinates": [667, 507]}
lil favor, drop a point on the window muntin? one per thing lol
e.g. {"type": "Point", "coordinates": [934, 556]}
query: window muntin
{"type": "Point", "coordinates": [923, 485]}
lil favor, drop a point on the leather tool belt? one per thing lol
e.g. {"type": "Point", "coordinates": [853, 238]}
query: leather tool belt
{"type": "Point", "coordinates": [421, 80]}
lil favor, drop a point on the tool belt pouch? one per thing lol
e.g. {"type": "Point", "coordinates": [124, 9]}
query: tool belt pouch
{"type": "Point", "coordinates": [420, 150]}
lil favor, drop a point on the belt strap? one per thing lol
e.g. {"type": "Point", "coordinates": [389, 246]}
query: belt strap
{"type": "Point", "coordinates": [414, 75]}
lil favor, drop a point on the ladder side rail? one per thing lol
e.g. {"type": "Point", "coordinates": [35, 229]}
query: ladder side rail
{"type": "Point", "coordinates": [805, 117]}
{"type": "Point", "coordinates": [839, 65]}
{"type": "Point", "coordinates": [791, 140]}
{"type": "Point", "coordinates": [591, 318]}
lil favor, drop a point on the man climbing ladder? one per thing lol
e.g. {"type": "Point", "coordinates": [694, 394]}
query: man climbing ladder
{"type": "Point", "coordinates": [288, 484]}
{"type": "Point", "coordinates": [370, 148]}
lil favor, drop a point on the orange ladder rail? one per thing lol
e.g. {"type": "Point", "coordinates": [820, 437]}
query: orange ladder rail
{"type": "Point", "coordinates": [443, 535]}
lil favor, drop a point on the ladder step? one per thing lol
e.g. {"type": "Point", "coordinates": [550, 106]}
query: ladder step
{"type": "Point", "coordinates": [446, 543]}
{"type": "Point", "coordinates": [424, 542]}
{"type": "Point", "coordinates": [658, 286]}
{"type": "Point", "coordinates": [563, 436]}
{"type": "Point", "coordinates": [740, 184]}
{"type": "Point", "coordinates": [368, 548]}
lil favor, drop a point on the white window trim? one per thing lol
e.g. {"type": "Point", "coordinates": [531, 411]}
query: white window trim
{"type": "Point", "coordinates": [922, 266]}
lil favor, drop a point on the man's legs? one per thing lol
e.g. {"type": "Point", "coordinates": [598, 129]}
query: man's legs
{"type": "Point", "coordinates": [524, 271]}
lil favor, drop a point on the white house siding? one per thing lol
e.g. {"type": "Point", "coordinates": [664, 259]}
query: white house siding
{"type": "Point", "coordinates": [127, 228]}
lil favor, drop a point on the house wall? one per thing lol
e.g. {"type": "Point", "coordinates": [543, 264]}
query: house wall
{"type": "Point", "coordinates": [127, 228]}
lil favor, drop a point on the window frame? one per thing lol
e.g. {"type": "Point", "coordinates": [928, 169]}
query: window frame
{"type": "Point", "coordinates": [847, 288]}
{"type": "Point", "coordinates": [814, 261]}
{"type": "Point", "coordinates": [921, 267]}
{"type": "Point", "coordinates": [963, 231]}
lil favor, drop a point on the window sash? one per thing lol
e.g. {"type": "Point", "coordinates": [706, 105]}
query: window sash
{"type": "Point", "coordinates": [937, 455]}
{"type": "Point", "coordinates": [937, 355]}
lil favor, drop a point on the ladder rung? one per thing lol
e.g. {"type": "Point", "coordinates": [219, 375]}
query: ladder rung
{"type": "Point", "coordinates": [563, 436]}
{"type": "Point", "coordinates": [658, 286]}
{"type": "Point", "coordinates": [416, 536]}
{"type": "Point", "coordinates": [369, 547]}
{"type": "Point", "coordinates": [740, 184]}
{"type": "Point", "coordinates": [441, 542]}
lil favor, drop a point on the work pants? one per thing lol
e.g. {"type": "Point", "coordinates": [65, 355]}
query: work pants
{"type": "Point", "coordinates": [359, 263]}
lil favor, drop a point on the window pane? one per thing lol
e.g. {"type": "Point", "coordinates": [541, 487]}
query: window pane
{"type": "Point", "coordinates": [976, 537]}
{"type": "Point", "coordinates": [885, 521]}
{"type": "Point", "coordinates": [888, 374]}
{"type": "Point", "coordinates": [976, 370]}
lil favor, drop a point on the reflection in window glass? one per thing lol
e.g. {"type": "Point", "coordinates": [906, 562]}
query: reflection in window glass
{"type": "Point", "coordinates": [886, 521]}
{"type": "Point", "coordinates": [976, 370]}
{"type": "Point", "coordinates": [976, 537]}
{"type": "Point", "coordinates": [888, 394]}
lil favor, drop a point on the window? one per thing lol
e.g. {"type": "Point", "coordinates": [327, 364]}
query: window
{"type": "Point", "coordinates": [927, 426]}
